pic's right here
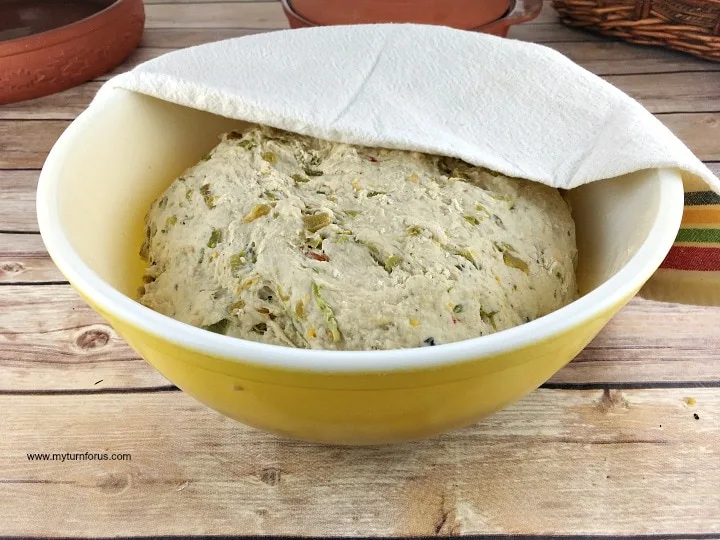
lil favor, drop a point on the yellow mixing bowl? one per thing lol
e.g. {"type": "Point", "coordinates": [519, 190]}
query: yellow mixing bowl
{"type": "Point", "coordinates": [120, 154]}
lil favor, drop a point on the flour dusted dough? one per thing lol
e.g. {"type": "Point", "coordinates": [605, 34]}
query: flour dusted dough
{"type": "Point", "coordinates": [289, 240]}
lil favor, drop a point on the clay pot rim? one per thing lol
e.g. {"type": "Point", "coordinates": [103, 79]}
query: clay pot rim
{"type": "Point", "coordinates": [287, 6]}
{"type": "Point", "coordinates": [61, 34]}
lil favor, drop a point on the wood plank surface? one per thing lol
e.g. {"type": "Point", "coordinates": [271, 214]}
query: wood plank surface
{"type": "Point", "coordinates": [699, 131]}
{"type": "Point", "coordinates": [65, 105]}
{"type": "Point", "coordinates": [672, 92]}
{"type": "Point", "coordinates": [17, 203]}
{"type": "Point", "coordinates": [50, 340]}
{"type": "Point", "coordinates": [215, 15]}
{"type": "Point", "coordinates": [558, 462]}
{"type": "Point", "coordinates": [651, 342]}
{"type": "Point", "coordinates": [618, 58]}
{"type": "Point", "coordinates": [178, 38]}
{"type": "Point", "coordinates": [25, 144]}
{"type": "Point", "coordinates": [554, 32]}
{"type": "Point", "coordinates": [23, 259]}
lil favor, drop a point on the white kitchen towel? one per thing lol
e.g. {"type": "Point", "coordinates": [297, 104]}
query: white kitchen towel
{"type": "Point", "coordinates": [517, 108]}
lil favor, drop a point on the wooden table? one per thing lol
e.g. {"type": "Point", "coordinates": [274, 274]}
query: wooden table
{"type": "Point", "coordinates": [623, 441]}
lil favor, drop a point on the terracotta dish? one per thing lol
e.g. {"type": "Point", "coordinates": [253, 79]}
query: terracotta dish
{"type": "Point", "coordinates": [50, 45]}
{"type": "Point", "coordinates": [490, 16]}
{"type": "Point", "coordinates": [456, 13]}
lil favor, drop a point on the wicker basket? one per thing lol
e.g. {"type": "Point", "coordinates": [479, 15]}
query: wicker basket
{"type": "Point", "coordinates": [692, 26]}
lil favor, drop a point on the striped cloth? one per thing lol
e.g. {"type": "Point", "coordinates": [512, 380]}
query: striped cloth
{"type": "Point", "coordinates": [690, 273]}
{"type": "Point", "coordinates": [697, 247]}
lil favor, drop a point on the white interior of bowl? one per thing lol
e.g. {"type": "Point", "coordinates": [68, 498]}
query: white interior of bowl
{"type": "Point", "coordinates": [119, 155]}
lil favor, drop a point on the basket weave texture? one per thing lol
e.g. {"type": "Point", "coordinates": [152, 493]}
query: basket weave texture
{"type": "Point", "coordinates": [691, 26]}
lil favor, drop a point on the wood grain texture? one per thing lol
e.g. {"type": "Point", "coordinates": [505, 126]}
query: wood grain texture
{"type": "Point", "coordinates": [558, 462]}
{"type": "Point", "coordinates": [23, 259]}
{"type": "Point", "coordinates": [699, 131]}
{"type": "Point", "coordinates": [215, 15]}
{"type": "Point", "coordinates": [25, 144]}
{"type": "Point", "coordinates": [651, 342]}
{"type": "Point", "coordinates": [618, 58]}
{"type": "Point", "coordinates": [65, 105]}
{"type": "Point", "coordinates": [178, 38]}
{"type": "Point", "coordinates": [672, 92]}
{"type": "Point", "coordinates": [17, 200]}
{"type": "Point", "coordinates": [553, 32]}
{"type": "Point", "coordinates": [50, 340]}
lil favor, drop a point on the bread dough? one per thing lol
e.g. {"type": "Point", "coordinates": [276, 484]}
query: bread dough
{"type": "Point", "coordinates": [289, 240]}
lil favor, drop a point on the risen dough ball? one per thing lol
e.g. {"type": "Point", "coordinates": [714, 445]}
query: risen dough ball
{"type": "Point", "coordinates": [289, 240]}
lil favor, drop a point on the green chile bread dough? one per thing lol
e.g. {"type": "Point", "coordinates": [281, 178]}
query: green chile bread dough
{"type": "Point", "coordinates": [290, 240]}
